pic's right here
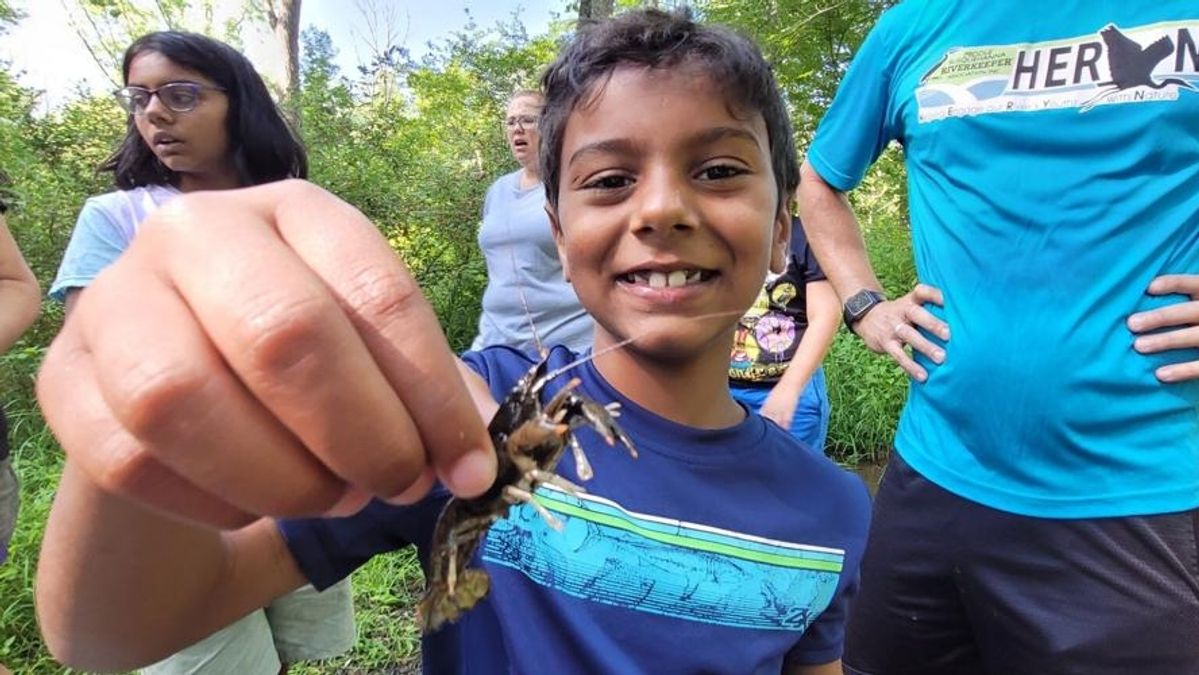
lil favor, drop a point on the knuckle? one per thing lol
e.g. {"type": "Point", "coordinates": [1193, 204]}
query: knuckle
{"type": "Point", "coordinates": [381, 294]}
{"type": "Point", "coordinates": [398, 473]}
{"type": "Point", "coordinates": [126, 470]}
{"type": "Point", "coordinates": [282, 333]}
{"type": "Point", "coordinates": [149, 398]}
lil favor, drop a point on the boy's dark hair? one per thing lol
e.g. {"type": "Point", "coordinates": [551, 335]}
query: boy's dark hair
{"type": "Point", "coordinates": [263, 145]}
{"type": "Point", "coordinates": [655, 39]}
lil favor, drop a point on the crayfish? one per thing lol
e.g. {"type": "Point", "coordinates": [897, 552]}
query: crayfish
{"type": "Point", "coordinates": [529, 440]}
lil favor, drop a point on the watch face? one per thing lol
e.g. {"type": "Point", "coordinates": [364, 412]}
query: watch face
{"type": "Point", "coordinates": [858, 302]}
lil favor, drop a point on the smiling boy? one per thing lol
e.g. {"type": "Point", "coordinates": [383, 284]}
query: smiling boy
{"type": "Point", "coordinates": [726, 547]}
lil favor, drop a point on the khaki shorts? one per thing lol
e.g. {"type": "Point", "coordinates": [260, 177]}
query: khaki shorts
{"type": "Point", "coordinates": [10, 503]}
{"type": "Point", "coordinates": [304, 625]}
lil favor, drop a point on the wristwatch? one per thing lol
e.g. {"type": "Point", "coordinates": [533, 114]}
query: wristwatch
{"type": "Point", "coordinates": [858, 305]}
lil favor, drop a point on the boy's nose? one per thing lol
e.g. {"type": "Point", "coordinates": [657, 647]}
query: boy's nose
{"type": "Point", "coordinates": [664, 203]}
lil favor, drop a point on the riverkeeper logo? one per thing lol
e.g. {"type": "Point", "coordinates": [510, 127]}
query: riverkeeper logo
{"type": "Point", "coordinates": [1114, 66]}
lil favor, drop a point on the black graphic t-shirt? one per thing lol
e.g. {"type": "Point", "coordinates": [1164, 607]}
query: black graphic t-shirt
{"type": "Point", "coordinates": [770, 332]}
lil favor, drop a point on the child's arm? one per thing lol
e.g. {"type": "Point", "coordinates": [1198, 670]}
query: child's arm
{"type": "Point", "coordinates": [824, 317]}
{"type": "Point", "coordinates": [20, 298]}
{"type": "Point", "coordinates": [120, 586]}
{"type": "Point", "coordinates": [256, 352]}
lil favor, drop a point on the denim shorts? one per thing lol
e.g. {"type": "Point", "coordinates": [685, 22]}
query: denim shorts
{"type": "Point", "coordinates": [952, 587]}
{"type": "Point", "coordinates": [810, 423]}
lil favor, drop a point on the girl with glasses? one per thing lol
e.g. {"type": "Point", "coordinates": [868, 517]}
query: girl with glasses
{"type": "Point", "coordinates": [200, 118]}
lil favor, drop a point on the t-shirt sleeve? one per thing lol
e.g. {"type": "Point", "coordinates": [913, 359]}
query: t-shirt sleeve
{"type": "Point", "coordinates": [824, 639]}
{"type": "Point", "coordinates": [327, 550]}
{"type": "Point", "coordinates": [802, 254]}
{"type": "Point", "coordinates": [860, 122]}
{"type": "Point", "coordinates": [96, 243]}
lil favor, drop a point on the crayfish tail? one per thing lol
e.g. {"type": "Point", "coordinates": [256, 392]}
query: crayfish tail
{"type": "Point", "coordinates": [439, 606]}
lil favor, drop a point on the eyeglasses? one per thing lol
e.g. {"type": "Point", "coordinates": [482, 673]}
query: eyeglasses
{"type": "Point", "coordinates": [180, 97]}
{"type": "Point", "coordinates": [521, 121]}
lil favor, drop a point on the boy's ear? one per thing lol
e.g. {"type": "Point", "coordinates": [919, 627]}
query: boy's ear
{"type": "Point", "coordinates": [556, 228]}
{"type": "Point", "coordinates": [780, 244]}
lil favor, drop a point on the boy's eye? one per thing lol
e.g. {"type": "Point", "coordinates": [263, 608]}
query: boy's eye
{"type": "Point", "coordinates": [720, 171]}
{"type": "Point", "coordinates": [609, 182]}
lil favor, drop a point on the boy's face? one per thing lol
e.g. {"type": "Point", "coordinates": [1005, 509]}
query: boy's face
{"type": "Point", "coordinates": [668, 211]}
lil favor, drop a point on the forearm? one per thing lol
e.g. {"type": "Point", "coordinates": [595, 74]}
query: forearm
{"type": "Point", "coordinates": [20, 298]}
{"type": "Point", "coordinates": [20, 302]}
{"type": "Point", "coordinates": [834, 235]}
{"type": "Point", "coordinates": [120, 586]}
{"type": "Point", "coordinates": [824, 318]}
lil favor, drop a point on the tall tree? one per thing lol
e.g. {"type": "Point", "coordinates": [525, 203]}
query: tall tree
{"type": "Point", "coordinates": [594, 10]}
{"type": "Point", "coordinates": [284, 19]}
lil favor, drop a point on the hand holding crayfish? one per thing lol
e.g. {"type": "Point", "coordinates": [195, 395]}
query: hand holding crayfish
{"type": "Point", "coordinates": [329, 375]}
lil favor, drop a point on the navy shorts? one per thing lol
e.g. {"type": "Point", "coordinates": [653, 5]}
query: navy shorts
{"type": "Point", "coordinates": [951, 587]}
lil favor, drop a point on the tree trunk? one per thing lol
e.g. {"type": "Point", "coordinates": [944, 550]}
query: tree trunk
{"type": "Point", "coordinates": [284, 18]}
{"type": "Point", "coordinates": [594, 10]}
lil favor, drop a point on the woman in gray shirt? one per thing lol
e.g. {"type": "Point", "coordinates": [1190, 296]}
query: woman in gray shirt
{"type": "Point", "coordinates": [528, 303]}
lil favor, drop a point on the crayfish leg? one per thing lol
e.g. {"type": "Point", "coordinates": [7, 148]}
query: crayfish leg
{"type": "Point", "coordinates": [554, 479]}
{"type": "Point", "coordinates": [518, 495]}
{"type": "Point", "coordinates": [582, 465]}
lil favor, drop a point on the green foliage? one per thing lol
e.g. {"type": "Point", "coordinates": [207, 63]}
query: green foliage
{"type": "Point", "coordinates": [418, 162]}
{"type": "Point", "coordinates": [38, 462]}
{"type": "Point", "coordinates": [867, 391]}
{"type": "Point", "coordinates": [809, 42]}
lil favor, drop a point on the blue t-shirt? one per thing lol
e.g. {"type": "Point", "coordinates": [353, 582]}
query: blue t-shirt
{"type": "Point", "coordinates": [525, 285]}
{"type": "Point", "coordinates": [1053, 172]}
{"type": "Point", "coordinates": [716, 551]}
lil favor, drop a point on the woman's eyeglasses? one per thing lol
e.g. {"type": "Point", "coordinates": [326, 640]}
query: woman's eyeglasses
{"type": "Point", "coordinates": [180, 97]}
{"type": "Point", "coordinates": [524, 121]}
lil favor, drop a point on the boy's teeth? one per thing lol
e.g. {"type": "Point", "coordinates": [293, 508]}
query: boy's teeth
{"type": "Point", "coordinates": [674, 279]}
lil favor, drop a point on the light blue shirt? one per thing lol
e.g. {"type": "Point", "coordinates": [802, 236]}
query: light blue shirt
{"type": "Point", "coordinates": [525, 286]}
{"type": "Point", "coordinates": [1053, 171]}
{"type": "Point", "coordinates": [105, 228]}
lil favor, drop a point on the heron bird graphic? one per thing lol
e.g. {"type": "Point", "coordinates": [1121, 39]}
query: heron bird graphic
{"type": "Point", "coordinates": [1131, 65]}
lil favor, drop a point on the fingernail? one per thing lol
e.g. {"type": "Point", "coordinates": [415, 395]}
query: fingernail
{"type": "Point", "coordinates": [1140, 344]}
{"type": "Point", "coordinates": [473, 473]}
{"type": "Point", "coordinates": [1135, 323]}
{"type": "Point", "coordinates": [1165, 374]}
{"type": "Point", "coordinates": [938, 356]}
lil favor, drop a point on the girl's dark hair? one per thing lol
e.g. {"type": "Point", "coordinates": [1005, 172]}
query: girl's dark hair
{"type": "Point", "coordinates": [656, 39]}
{"type": "Point", "coordinates": [263, 145]}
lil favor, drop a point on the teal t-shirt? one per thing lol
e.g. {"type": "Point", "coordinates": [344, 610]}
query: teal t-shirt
{"type": "Point", "coordinates": [1053, 171]}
